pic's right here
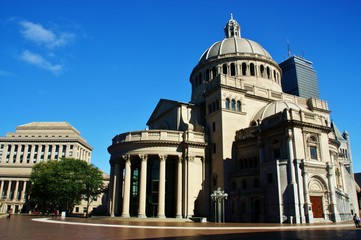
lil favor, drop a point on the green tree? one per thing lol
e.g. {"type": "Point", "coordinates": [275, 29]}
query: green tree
{"type": "Point", "coordinates": [60, 185]}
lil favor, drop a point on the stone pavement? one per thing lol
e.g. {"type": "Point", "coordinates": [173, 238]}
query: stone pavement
{"type": "Point", "coordinates": [31, 227]}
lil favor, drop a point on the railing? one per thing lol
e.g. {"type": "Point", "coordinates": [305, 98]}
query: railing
{"type": "Point", "coordinates": [160, 135]}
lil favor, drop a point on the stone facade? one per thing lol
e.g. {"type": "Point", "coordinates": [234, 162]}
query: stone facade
{"type": "Point", "coordinates": [33, 143]}
{"type": "Point", "coordinates": [278, 156]}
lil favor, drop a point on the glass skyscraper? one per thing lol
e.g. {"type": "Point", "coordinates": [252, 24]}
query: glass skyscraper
{"type": "Point", "coordinates": [299, 77]}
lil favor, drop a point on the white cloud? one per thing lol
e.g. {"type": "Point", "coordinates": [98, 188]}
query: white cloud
{"type": "Point", "coordinates": [39, 61]}
{"type": "Point", "coordinates": [46, 37]}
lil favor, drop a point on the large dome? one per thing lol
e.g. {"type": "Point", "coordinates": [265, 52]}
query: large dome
{"type": "Point", "coordinates": [234, 45]}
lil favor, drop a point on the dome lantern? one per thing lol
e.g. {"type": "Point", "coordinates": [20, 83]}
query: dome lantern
{"type": "Point", "coordinates": [232, 28]}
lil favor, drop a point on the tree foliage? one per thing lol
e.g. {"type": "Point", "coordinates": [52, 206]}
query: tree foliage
{"type": "Point", "coordinates": [60, 185]}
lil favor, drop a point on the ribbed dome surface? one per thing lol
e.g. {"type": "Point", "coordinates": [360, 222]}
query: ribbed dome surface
{"type": "Point", "coordinates": [234, 45]}
{"type": "Point", "coordinates": [276, 107]}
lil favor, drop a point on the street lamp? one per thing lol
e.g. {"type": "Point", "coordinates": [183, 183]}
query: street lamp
{"type": "Point", "coordinates": [218, 196]}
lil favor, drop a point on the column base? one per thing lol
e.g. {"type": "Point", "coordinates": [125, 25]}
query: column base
{"type": "Point", "coordinates": [161, 216]}
{"type": "Point", "coordinates": [125, 215]}
{"type": "Point", "coordinates": [142, 216]}
{"type": "Point", "coordinates": [178, 216]}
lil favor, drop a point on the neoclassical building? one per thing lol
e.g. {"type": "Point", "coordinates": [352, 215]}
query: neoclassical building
{"type": "Point", "coordinates": [32, 143]}
{"type": "Point", "coordinates": [278, 156]}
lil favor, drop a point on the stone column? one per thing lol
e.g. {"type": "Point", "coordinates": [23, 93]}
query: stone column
{"type": "Point", "coordinates": [23, 192]}
{"type": "Point", "coordinates": [31, 161]}
{"type": "Point", "coordinates": [161, 196]}
{"type": "Point", "coordinates": [15, 196]}
{"type": "Point", "coordinates": [4, 153]}
{"type": "Point", "coordinates": [143, 187]}
{"type": "Point", "coordinates": [117, 179]}
{"type": "Point", "coordinates": [53, 148]}
{"type": "Point", "coordinates": [2, 188]}
{"type": "Point", "coordinates": [294, 192]}
{"type": "Point", "coordinates": [126, 199]}
{"type": "Point", "coordinates": [179, 188]}
{"type": "Point", "coordinates": [8, 190]}
{"type": "Point", "coordinates": [11, 157]}
{"type": "Point", "coordinates": [17, 160]}
{"type": "Point", "coordinates": [46, 152]}
{"type": "Point", "coordinates": [331, 184]}
{"type": "Point", "coordinates": [307, 204]}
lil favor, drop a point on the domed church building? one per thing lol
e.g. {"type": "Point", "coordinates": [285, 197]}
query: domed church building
{"type": "Point", "coordinates": [278, 156]}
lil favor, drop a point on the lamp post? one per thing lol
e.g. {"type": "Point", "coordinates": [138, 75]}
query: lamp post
{"type": "Point", "coordinates": [218, 196]}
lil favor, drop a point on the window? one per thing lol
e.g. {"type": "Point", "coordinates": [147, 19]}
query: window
{"type": "Point", "coordinates": [244, 69]}
{"type": "Point", "coordinates": [238, 106]}
{"type": "Point", "coordinates": [224, 69]}
{"type": "Point", "coordinates": [207, 75]}
{"type": "Point", "coordinates": [214, 126]}
{"type": "Point", "coordinates": [312, 143]}
{"type": "Point", "coordinates": [313, 152]}
{"type": "Point", "coordinates": [262, 71]}
{"type": "Point", "coordinates": [214, 148]}
{"type": "Point", "coordinates": [227, 103]}
{"type": "Point", "coordinates": [252, 69]}
{"type": "Point", "coordinates": [233, 105]}
{"type": "Point", "coordinates": [233, 69]}
{"type": "Point", "coordinates": [214, 72]}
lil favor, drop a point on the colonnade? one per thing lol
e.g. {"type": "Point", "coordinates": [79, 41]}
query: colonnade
{"type": "Point", "coordinates": [121, 185]}
{"type": "Point", "coordinates": [13, 192]}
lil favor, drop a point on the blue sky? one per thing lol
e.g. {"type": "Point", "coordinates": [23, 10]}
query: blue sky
{"type": "Point", "coordinates": [102, 66]}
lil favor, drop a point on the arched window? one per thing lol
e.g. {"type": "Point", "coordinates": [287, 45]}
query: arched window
{"type": "Point", "coordinates": [233, 69]}
{"type": "Point", "coordinates": [268, 73]}
{"type": "Point", "coordinates": [233, 106]}
{"type": "Point", "coordinates": [274, 75]}
{"type": "Point", "coordinates": [244, 69]}
{"type": "Point", "coordinates": [200, 78]}
{"type": "Point", "coordinates": [252, 69]}
{"type": "Point", "coordinates": [207, 75]}
{"type": "Point", "coordinates": [262, 70]}
{"type": "Point", "coordinates": [227, 103]}
{"type": "Point", "coordinates": [238, 106]}
{"type": "Point", "coordinates": [224, 68]}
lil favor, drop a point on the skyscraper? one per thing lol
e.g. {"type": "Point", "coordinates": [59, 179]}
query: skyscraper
{"type": "Point", "coordinates": [299, 77]}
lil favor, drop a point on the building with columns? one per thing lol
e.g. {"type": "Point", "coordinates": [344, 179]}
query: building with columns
{"type": "Point", "coordinates": [277, 155]}
{"type": "Point", "coordinates": [33, 143]}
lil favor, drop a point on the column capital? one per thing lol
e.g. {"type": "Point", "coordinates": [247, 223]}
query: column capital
{"type": "Point", "coordinates": [143, 157]}
{"type": "Point", "coordinates": [162, 157]}
{"type": "Point", "coordinates": [126, 157]}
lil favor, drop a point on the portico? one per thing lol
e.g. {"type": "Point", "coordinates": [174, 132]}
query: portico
{"type": "Point", "coordinates": [153, 181]}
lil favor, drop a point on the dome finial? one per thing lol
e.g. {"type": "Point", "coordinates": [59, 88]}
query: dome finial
{"type": "Point", "coordinates": [232, 28]}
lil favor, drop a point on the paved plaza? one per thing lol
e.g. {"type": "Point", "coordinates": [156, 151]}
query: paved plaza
{"type": "Point", "coordinates": [30, 227]}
